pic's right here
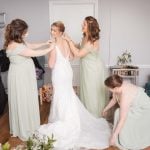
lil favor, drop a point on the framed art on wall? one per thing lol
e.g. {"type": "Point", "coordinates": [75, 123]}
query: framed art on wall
{"type": "Point", "coordinates": [2, 20]}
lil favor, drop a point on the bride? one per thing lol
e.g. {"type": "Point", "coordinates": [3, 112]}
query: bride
{"type": "Point", "coordinates": [71, 124]}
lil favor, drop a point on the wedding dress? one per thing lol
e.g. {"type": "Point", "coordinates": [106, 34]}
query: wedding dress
{"type": "Point", "coordinates": [71, 124]}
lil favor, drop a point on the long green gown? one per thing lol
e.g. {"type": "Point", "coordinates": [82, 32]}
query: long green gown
{"type": "Point", "coordinates": [135, 134]}
{"type": "Point", "coordinates": [92, 76]}
{"type": "Point", "coordinates": [24, 116]}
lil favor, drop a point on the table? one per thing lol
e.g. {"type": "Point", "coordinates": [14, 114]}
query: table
{"type": "Point", "coordinates": [126, 72]}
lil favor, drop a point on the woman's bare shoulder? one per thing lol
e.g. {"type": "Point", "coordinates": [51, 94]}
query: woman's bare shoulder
{"type": "Point", "coordinates": [13, 45]}
{"type": "Point", "coordinates": [92, 46]}
{"type": "Point", "coordinates": [129, 90]}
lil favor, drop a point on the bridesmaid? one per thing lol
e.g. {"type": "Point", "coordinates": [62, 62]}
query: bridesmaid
{"type": "Point", "coordinates": [24, 114]}
{"type": "Point", "coordinates": [92, 91]}
{"type": "Point", "coordinates": [132, 119]}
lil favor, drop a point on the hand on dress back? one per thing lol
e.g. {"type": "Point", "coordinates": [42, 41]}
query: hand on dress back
{"type": "Point", "coordinates": [66, 37]}
{"type": "Point", "coordinates": [104, 113]}
{"type": "Point", "coordinates": [52, 46]}
{"type": "Point", "coordinates": [50, 41]}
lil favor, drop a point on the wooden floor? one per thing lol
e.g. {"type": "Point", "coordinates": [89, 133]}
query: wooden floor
{"type": "Point", "coordinates": [4, 126]}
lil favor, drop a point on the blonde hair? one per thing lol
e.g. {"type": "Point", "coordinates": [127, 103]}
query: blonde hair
{"type": "Point", "coordinates": [59, 25]}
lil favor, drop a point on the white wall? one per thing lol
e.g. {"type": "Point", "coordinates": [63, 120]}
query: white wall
{"type": "Point", "coordinates": [129, 29]}
{"type": "Point", "coordinates": [34, 12]}
{"type": "Point", "coordinates": [125, 24]}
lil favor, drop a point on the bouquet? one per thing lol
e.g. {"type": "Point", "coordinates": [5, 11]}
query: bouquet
{"type": "Point", "coordinates": [46, 93]}
{"type": "Point", "coordinates": [35, 142]}
{"type": "Point", "coordinates": [40, 142]}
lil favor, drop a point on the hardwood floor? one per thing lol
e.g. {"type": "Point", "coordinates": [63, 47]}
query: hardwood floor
{"type": "Point", "coordinates": [4, 126]}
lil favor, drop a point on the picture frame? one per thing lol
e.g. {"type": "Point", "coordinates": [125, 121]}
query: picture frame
{"type": "Point", "coordinates": [2, 20]}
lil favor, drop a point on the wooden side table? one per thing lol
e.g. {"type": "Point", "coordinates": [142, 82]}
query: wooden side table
{"type": "Point", "coordinates": [126, 72]}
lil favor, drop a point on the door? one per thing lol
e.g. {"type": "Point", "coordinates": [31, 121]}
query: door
{"type": "Point", "coordinates": [72, 14]}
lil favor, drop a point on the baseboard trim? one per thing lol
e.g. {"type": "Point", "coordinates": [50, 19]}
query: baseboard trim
{"type": "Point", "coordinates": [140, 66]}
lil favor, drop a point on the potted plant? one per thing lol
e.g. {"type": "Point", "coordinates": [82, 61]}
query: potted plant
{"type": "Point", "coordinates": [124, 59]}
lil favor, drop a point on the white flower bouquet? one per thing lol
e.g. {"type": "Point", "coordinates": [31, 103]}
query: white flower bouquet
{"type": "Point", "coordinates": [38, 142]}
{"type": "Point", "coordinates": [35, 142]}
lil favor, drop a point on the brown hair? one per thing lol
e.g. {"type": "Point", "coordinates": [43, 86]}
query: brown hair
{"type": "Point", "coordinates": [59, 25]}
{"type": "Point", "coordinates": [113, 81]}
{"type": "Point", "coordinates": [14, 31]}
{"type": "Point", "coordinates": [93, 29]}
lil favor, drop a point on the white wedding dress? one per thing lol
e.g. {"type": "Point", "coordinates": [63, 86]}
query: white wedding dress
{"type": "Point", "coordinates": [71, 124]}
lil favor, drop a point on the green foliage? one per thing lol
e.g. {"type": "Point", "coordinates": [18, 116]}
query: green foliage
{"type": "Point", "coordinates": [6, 146]}
{"type": "Point", "coordinates": [49, 144]}
{"type": "Point", "coordinates": [124, 58]}
{"type": "Point", "coordinates": [40, 143]}
{"type": "Point", "coordinates": [29, 143]}
{"type": "Point", "coordinates": [36, 142]}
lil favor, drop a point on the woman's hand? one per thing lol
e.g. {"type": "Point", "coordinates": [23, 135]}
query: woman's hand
{"type": "Point", "coordinates": [50, 41]}
{"type": "Point", "coordinates": [104, 113]}
{"type": "Point", "coordinates": [112, 140]}
{"type": "Point", "coordinates": [52, 46]}
{"type": "Point", "coordinates": [66, 37]}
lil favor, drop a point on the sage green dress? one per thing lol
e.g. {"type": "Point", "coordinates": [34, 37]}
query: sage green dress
{"type": "Point", "coordinates": [135, 134]}
{"type": "Point", "coordinates": [92, 76]}
{"type": "Point", "coordinates": [24, 116]}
